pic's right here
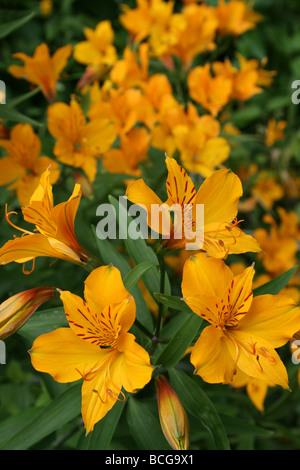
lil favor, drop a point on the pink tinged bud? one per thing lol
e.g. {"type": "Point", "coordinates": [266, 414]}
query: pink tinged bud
{"type": "Point", "coordinates": [16, 310]}
{"type": "Point", "coordinates": [173, 418]}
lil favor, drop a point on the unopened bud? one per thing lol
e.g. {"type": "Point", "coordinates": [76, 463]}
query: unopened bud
{"type": "Point", "coordinates": [173, 418]}
{"type": "Point", "coordinates": [16, 310]}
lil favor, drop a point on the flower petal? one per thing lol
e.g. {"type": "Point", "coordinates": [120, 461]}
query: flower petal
{"type": "Point", "coordinates": [211, 357]}
{"type": "Point", "coordinates": [273, 317]}
{"type": "Point", "coordinates": [63, 355]}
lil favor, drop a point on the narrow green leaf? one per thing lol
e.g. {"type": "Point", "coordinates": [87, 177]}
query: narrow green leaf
{"type": "Point", "coordinates": [143, 422]}
{"type": "Point", "coordinates": [136, 273]}
{"type": "Point", "coordinates": [276, 285]}
{"type": "Point", "coordinates": [42, 322]}
{"type": "Point", "coordinates": [26, 96]}
{"type": "Point", "coordinates": [10, 114]}
{"type": "Point", "coordinates": [9, 27]}
{"type": "Point", "coordinates": [237, 427]}
{"type": "Point", "coordinates": [9, 427]}
{"type": "Point", "coordinates": [197, 403]}
{"type": "Point", "coordinates": [52, 417]}
{"type": "Point", "coordinates": [101, 436]}
{"type": "Point", "coordinates": [179, 343]}
{"type": "Point", "coordinates": [172, 301]}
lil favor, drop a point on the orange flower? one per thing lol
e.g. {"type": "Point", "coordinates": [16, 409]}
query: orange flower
{"type": "Point", "coordinates": [219, 193]}
{"type": "Point", "coordinates": [213, 93]}
{"type": "Point", "coordinates": [236, 17]}
{"type": "Point", "coordinates": [97, 52]}
{"type": "Point", "coordinates": [279, 243]}
{"type": "Point", "coordinates": [267, 190]}
{"type": "Point", "coordinates": [274, 132]}
{"type": "Point", "coordinates": [41, 69]}
{"type": "Point", "coordinates": [123, 108]}
{"type": "Point", "coordinates": [198, 35]}
{"type": "Point", "coordinates": [244, 331]}
{"type": "Point", "coordinates": [79, 143]}
{"type": "Point", "coordinates": [256, 389]}
{"type": "Point", "coordinates": [97, 347]}
{"type": "Point", "coordinates": [133, 150]}
{"type": "Point", "coordinates": [54, 225]}
{"type": "Point", "coordinates": [23, 166]}
{"type": "Point", "coordinates": [156, 21]}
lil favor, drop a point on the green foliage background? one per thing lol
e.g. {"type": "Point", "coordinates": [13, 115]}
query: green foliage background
{"type": "Point", "coordinates": [35, 411]}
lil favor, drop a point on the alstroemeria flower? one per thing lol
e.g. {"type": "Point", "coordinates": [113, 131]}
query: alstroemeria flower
{"type": "Point", "coordinates": [219, 194]}
{"type": "Point", "coordinates": [41, 69]}
{"type": "Point", "coordinates": [23, 166]}
{"type": "Point", "coordinates": [79, 143]}
{"type": "Point", "coordinates": [54, 234]}
{"type": "Point", "coordinates": [244, 331]}
{"type": "Point", "coordinates": [97, 347]}
{"type": "Point", "coordinates": [236, 17]}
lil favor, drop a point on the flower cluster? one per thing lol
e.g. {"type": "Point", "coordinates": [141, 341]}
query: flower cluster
{"type": "Point", "coordinates": [158, 113]}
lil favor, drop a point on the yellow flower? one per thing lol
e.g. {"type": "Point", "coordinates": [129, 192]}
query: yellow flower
{"type": "Point", "coordinates": [172, 415]}
{"type": "Point", "coordinates": [244, 331]}
{"type": "Point", "coordinates": [23, 166]}
{"type": "Point", "coordinates": [236, 17]}
{"type": "Point", "coordinates": [54, 225]}
{"type": "Point", "coordinates": [16, 310]}
{"type": "Point", "coordinates": [97, 347]}
{"type": "Point", "coordinates": [79, 143]}
{"type": "Point", "coordinates": [219, 193]}
{"type": "Point", "coordinates": [274, 132]}
{"type": "Point", "coordinates": [41, 69]}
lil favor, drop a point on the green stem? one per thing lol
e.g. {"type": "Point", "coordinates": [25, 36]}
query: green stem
{"type": "Point", "coordinates": [143, 329]}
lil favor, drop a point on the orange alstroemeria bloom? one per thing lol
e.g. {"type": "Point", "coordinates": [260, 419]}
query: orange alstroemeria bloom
{"type": "Point", "coordinates": [256, 389]}
{"type": "Point", "coordinates": [41, 69]}
{"type": "Point", "coordinates": [236, 17]}
{"type": "Point", "coordinates": [266, 189]}
{"type": "Point", "coordinates": [219, 194]}
{"type": "Point", "coordinates": [54, 234]}
{"type": "Point", "coordinates": [133, 150]}
{"type": "Point", "coordinates": [274, 132]}
{"type": "Point", "coordinates": [244, 331]}
{"type": "Point", "coordinates": [97, 347]}
{"type": "Point", "coordinates": [79, 143]}
{"type": "Point", "coordinates": [23, 166]}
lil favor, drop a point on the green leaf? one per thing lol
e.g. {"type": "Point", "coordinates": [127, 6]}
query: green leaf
{"type": "Point", "coordinates": [10, 114]}
{"type": "Point", "coordinates": [7, 28]}
{"type": "Point", "coordinates": [197, 403]}
{"type": "Point", "coordinates": [172, 301]}
{"type": "Point", "coordinates": [143, 422]}
{"type": "Point", "coordinates": [179, 343]}
{"type": "Point", "coordinates": [135, 274]}
{"type": "Point", "coordinates": [52, 417]}
{"type": "Point", "coordinates": [26, 96]}
{"type": "Point", "coordinates": [42, 322]}
{"type": "Point", "coordinates": [276, 285]}
{"type": "Point", "coordinates": [9, 427]}
{"type": "Point", "coordinates": [101, 436]}
{"type": "Point", "coordinates": [237, 427]}
{"type": "Point", "coordinates": [139, 251]}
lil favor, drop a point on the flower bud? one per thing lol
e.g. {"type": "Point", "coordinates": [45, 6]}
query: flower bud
{"type": "Point", "coordinates": [16, 310]}
{"type": "Point", "coordinates": [173, 418]}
